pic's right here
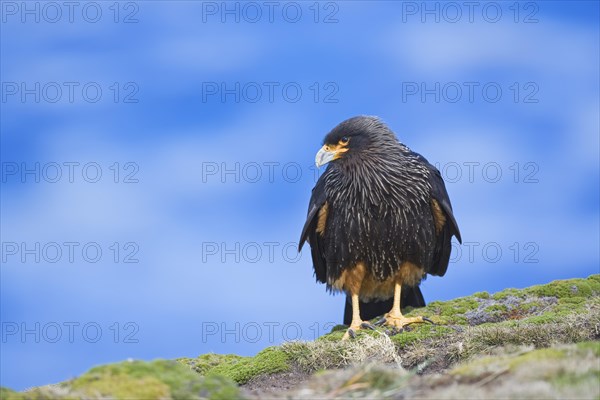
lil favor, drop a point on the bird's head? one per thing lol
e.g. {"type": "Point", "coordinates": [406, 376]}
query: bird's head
{"type": "Point", "coordinates": [354, 137]}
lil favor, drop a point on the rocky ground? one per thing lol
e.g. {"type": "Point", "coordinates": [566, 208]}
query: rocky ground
{"type": "Point", "coordinates": [538, 342]}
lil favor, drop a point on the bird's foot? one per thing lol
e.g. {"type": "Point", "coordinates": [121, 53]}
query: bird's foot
{"type": "Point", "coordinates": [398, 322]}
{"type": "Point", "coordinates": [355, 327]}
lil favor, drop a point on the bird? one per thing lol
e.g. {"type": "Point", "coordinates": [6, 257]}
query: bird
{"type": "Point", "coordinates": [379, 221]}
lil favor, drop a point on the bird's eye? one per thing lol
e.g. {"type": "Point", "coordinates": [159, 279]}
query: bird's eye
{"type": "Point", "coordinates": [344, 140]}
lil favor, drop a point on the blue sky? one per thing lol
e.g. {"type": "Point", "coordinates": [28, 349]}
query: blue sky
{"type": "Point", "coordinates": [214, 176]}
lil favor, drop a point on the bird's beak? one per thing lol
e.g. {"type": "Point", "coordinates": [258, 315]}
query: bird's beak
{"type": "Point", "coordinates": [324, 155]}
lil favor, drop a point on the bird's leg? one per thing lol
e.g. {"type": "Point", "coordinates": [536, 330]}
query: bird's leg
{"type": "Point", "coordinates": [395, 318]}
{"type": "Point", "coordinates": [357, 323]}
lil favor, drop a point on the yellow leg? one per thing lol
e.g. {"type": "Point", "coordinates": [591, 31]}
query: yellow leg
{"type": "Point", "coordinates": [395, 318]}
{"type": "Point", "coordinates": [357, 323]}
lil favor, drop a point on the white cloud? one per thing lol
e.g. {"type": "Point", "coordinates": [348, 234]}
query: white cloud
{"type": "Point", "coordinates": [542, 48]}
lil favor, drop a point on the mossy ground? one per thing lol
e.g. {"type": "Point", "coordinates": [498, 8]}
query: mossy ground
{"type": "Point", "coordinates": [504, 341]}
{"type": "Point", "coordinates": [271, 360]}
{"type": "Point", "coordinates": [565, 311]}
{"type": "Point", "coordinates": [562, 372]}
{"type": "Point", "coordinates": [160, 379]}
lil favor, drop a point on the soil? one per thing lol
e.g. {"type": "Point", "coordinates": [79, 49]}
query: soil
{"type": "Point", "coordinates": [274, 386]}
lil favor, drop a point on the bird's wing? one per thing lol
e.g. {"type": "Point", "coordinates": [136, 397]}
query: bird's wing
{"type": "Point", "coordinates": [439, 193]}
{"type": "Point", "coordinates": [446, 225]}
{"type": "Point", "coordinates": [442, 214]}
{"type": "Point", "coordinates": [318, 200]}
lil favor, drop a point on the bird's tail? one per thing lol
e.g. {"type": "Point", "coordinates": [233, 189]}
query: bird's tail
{"type": "Point", "coordinates": [411, 297]}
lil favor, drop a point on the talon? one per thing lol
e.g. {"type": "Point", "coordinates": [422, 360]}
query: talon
{"type": "Point", "coordinates": [380, 322]}
{"type": "Point", "coordinates": [367, 325]}
{"type": "Point", "coordinates": [428, 320]}
{"type": "Point", "coordinates": [401, 322]}
{"type": "Point", "coordinates": [355, 327]}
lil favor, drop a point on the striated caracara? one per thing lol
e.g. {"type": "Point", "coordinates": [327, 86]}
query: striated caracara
{"type": "Point", "coordinates": [379, 219]}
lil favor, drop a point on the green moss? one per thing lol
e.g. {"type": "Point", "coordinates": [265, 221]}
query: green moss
{"type": "Point", "coordinates": [123, 387]}
{"type": "Point", "coordinates": [593, 347]}
{"type": "Point", "coordinates": [551, 364]}
{"type": "Point", "coordinates": [567, 377]}
{"type": "Point", "coordinates": [574, 300]}
{"type": "Point", "coordinates": [537, 356]}
{"type": "Point", "coordinates": [529, 306]}
{"type": "Point", "coordinates": [156, 379]}
{"type": "Point", "coordinates": [573, 296]}
{"type": "Point", "coordinates": [204, 363]}
{"type": "Point", "coordinates": [339, 328]}
{"type": "Point", "coordinates": [562, 289]}
{"type": "Point", "coordinates": [240, 369]}
{"type": "Point", "coordinates": [482, 295]}
{"type": "Point", "coordinates": [507, 293]}
{"type": "Point", "coordinates": [541, 316]}
{"type": "Point", "coordinates": [562, 372]}
{"type": "Point", "coordinates": [420, 333]}
{"type": "Point", "coordinates": [40, 393]}
{"type": "Point", "coordinates": [546, 318]}
{"type": "Point", "coordinates": [570, 379]}
{"type": "Point", "coordinates": [594, 281]}
{"type": "Point", "coordinates": [564, 308]}
{"type": "Point", "coordinates": [334, 336]}
{"type": "Point", "coordinates": [497, 308]}
{"type": "Point", "coordinates": [494, 364]}
{"type": "Point", "coordinates": [7, 394]}
{"type": "Point", "coordinates": [519, 327]}
{"type": "Point", "coordinates": [269, 361]}
{"type": "Point", "coordinates": [448, 312]}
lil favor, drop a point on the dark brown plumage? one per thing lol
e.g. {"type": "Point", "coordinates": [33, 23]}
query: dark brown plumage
{"type": "Point", "coordinates": [379, 217]}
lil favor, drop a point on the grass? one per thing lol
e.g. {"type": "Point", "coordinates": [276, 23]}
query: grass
{"type": "Point", "coordinates": [539, 341]}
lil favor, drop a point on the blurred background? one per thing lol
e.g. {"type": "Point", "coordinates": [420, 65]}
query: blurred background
{"type": "Point", "coordinates": [158, 159]}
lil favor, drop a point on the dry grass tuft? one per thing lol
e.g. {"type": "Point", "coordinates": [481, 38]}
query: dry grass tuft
{"type": "Point", "coordinates": [323, 354]}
